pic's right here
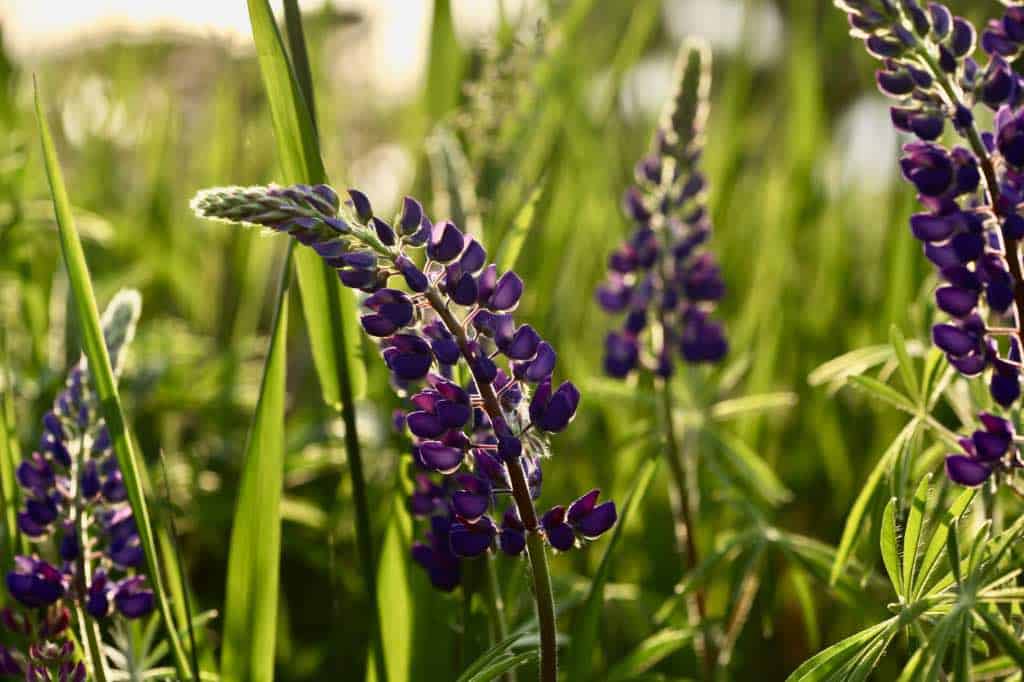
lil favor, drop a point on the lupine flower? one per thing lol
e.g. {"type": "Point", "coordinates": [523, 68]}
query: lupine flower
{"type": "Point", "coordinates": [989, 450]}
{"type": "Point", "coordinates": [45, 652]}
{"type": "Point", "coordinates": [477, 439]}
{"type": "Point", "coordinates": [972, 195]}
{"type": "Point", "coordinates": [661, 276]}
{"type": "Point", "coordinates": [75, 498]}
{"type": "Point", "coordinates": [75, 506]}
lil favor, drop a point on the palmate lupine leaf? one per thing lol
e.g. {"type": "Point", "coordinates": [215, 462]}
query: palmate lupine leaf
{"type": "Point", "coordinates": [102, 373]}
{"type": "Point", "coordinates": [912, 533]}
{"type": "Point", "coordinates": [889, 546]}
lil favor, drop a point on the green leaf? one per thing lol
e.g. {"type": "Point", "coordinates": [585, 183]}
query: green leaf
{"type": "Point", "coordinates": [748, 465]}
{"type": "Point", "coordinates": [504, 665]}
{"type": "Point", "coordinates": [953, 551]}
{"type": "Point", "coordinates": [823, 665]}
{"type": "Point", "coordinates": [102, 374]}
{"type": "Point", "coordinates": [328, 307]}
{"type": "Point", "coordinates": [250, 612]}
{"type": "Point", "coordinates": [887, 543]}
{"type": "Point", "coordinates": [649, 653]}
{"type": "Point", "coordinates": [585, 632]}
{"type": "Point", "coordinates": [753, 404]}
{"type": "Point", "coordinates": [1001, 632]}
{"type": "Point", "coordinates": [503, 649]}
{"type": "Point", "coordinates": [899, 346]}
{"type": "Point", "coordinates": [883, 392]}
{"type": "Point", "coordinates": [512, 243]}
{"type": "Point", "coordinates": [912, 532]}
{"type": "Point", "coordinates": [950, 517]}
{"type": "Point", "coordinates": [855, 520]}
{"type": "Point", "coordinates": [837, 371]}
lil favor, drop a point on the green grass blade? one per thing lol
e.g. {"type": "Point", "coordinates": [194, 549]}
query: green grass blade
{"type": "Point", "coordinates": [512, 244]}
{"type": "Point", "coordinates": [649, 653]}
{"type": "Point", "coordinates": [250, 612]}
{"type": "Point", "coordinates": [585, 634]}
{"type": "Point", "coordinates": [102, 374]}
{"type": "Point", "coordinates": [329, 309]}
{"type": "Point", "coordinates": [393, 588]}
{"type": "Point", "coordinates": [8, 455]}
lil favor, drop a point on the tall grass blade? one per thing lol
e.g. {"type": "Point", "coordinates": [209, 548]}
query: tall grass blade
{"type": "Point", "coordinates": [8, 454]}
{"type": "Point", "coordinates": [103, 376]}
{"type": "Point", "coordinates": [250, 611]}
{"type": "Point", "coordinates": [329, 308]}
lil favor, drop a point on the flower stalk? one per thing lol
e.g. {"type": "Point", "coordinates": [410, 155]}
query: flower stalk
{"type": "Point", "coordinates": [486, 438]}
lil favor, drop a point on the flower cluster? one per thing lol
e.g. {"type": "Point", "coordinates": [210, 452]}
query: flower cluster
{"type": "Point", "coordinates": [49, 653]}
{"type": "Point", "coordinates": [989, 450]}
{"type": "Point", "coordinates": [661, 276]}
{"type": "Point", "coordinates": [973, 194]}
{"type": "Point", "coordinates": [481, 386]}
{"type": "Point", "coordinates": [74, 497]}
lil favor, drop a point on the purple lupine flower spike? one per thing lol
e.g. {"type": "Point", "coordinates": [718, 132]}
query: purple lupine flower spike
{"type": "Point", "coordinates": [476, 442]}
{"type": "Point", "coordinates": [661, 275]}
{"type": "Point", "coordinates": [74, 494]}
{"type": "Point", "coordinates": [972, 194]}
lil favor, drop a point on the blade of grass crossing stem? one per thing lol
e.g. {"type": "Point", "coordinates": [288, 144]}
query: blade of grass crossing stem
{"type": "Point", "coordinates": [250, 611]}
{"type": "Point", "coordinates": [329, 308]}
{"type": "Point", "coordinates": [585, 635]}
{"type": "Point", "coordinates": [103, 377]}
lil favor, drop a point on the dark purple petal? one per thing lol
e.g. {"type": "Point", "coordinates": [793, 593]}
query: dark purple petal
{"type": "Point", "coordinates": [598, 521]}
{"type": "Point", "coordinates": [424, 425]}
{"type": "Point", "coordinates": [507, 292]}
{"type": "Point", "coordinates": [440, 457]}
{"type": "Point", "coordinates": [966, 471]}
{"type": "Point", "coordinates": [446, 242]}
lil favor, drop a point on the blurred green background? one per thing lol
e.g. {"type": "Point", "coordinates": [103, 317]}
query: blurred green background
{"type": "Point", "coordinates": [555, 104]}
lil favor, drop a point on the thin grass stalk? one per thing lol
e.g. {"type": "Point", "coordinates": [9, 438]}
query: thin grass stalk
{"type": "Point", "coordinates": [681, 499]}
{"type": "Point", "coordinates": [182, 580]}
{"type": "Point", "coordinates": [360, 500]}
{"type": "Point", "coordinates": [106, 388]}
{"type": "Point", "coordinates": [495, 608]}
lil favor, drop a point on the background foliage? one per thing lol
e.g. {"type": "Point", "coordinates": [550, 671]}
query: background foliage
{"type": "Point", "coordinates": [817, 257]}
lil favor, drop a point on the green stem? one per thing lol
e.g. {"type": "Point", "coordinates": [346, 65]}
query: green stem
{"type": "Point", "coordinates": [98, 668]}
{"type": "Point", "coordinates": [495, 603]}
{"type": "Point", "coordinates": [89, 628]}
{"type": "Point", "coordinates": [496, 609]}
{"type": "Point", "coordinates": [542, 593]}
{"type": "Point", "coordinates": [681, 501]}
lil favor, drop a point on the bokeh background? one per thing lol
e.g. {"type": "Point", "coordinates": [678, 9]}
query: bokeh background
{"type": "Point", "coordinates": [152, 101]}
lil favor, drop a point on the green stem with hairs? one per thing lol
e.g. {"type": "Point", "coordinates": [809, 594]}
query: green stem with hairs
{"type": "Point", "coordinates": [542, 593]}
